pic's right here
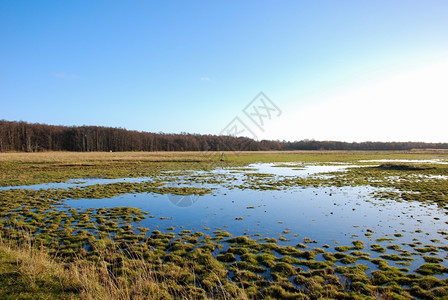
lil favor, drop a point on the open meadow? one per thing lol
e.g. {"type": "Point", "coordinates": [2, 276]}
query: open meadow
{"type": "Point", "coordinates": [246, 225]}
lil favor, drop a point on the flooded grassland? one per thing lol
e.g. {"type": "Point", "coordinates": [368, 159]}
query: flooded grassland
{"type": "Point", "coordinates": [299, 225]}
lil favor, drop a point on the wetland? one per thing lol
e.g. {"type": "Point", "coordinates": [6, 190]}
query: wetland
{"type": "Point", "coordinates": [301, 225]}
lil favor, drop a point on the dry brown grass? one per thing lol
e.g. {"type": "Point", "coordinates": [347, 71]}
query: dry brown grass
{"type": "Point", "coordinates": [64, 157]}
{"type": "Point", "coordinates": [28, 272]}
{"type": "Point", "coordinates": [82, 157]}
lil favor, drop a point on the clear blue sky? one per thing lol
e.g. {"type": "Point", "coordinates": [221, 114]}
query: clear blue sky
{"type": "Point", "coordinates": [192, 66]}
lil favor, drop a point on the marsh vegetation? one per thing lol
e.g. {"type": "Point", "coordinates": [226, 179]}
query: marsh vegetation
{"type": "Point", "coordinates": [304, 225]}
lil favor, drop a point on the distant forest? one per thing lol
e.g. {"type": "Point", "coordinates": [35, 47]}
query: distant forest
{"type": "Point", "coordinates": [22, 136]}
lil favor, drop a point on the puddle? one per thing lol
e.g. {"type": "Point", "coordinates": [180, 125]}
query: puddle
{"type": "Point", "coordinates": [294, 170]}
{"type": "Point", "coordinates": [74, 183]}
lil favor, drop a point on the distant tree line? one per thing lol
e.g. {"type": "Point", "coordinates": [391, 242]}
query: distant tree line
{"type": "Point", "coordinates": [22, 136]}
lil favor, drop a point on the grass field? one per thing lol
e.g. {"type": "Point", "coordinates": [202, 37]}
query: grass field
{"type": "Point", "coordinates": [245, 156]}
{"type": "Point", "coordinates": [51, 251]}
{"type": "Point", "coordinates": [33, 168]}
